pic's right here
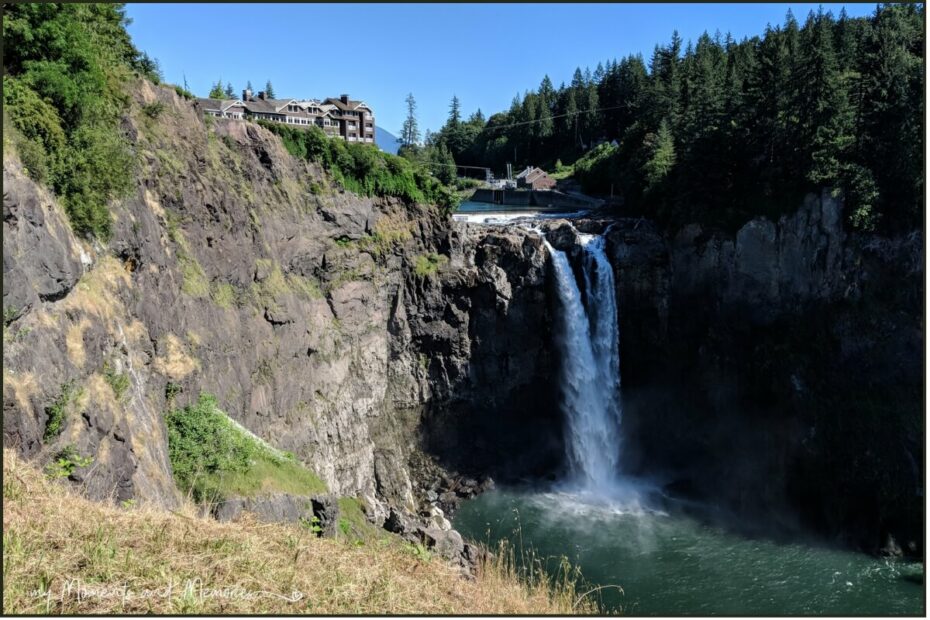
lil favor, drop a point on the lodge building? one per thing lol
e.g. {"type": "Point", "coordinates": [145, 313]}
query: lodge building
{"type": "Point", "coordinates": [353, 121]}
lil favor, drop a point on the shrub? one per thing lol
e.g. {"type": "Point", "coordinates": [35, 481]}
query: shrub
{"type": "Point", "coordinates": [201, 441]}
{"type": "Point", "coordinates": [148, 67]}
{"type": "Point", "coordinates": [183, 93]}
{"type": "Point", "coordinates": [596, 169]}
{"type": "Point", "coordinates": [32, 116]}
{"type": "Point", "coordinates": [118, 381]}
{"type": "Point", "coordinates": [363, 168]}
{"type": "Point", "coordinates": [66, 461]}
{"type": "Point", "coordinates": [213, 458]}
{"type": "Point", "coordinates": [154, 109]}
{"type": "Point", "coordinates": [171, 391]}
{"type": "Point", "coordinates": [56, 413]}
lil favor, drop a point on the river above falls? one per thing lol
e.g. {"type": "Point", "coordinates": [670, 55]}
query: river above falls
{"type": "Point", "coordinates": [671, 564]}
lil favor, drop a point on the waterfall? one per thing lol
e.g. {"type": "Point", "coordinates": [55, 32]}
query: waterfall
{"type": "Point", "coordinates": [588, 342]}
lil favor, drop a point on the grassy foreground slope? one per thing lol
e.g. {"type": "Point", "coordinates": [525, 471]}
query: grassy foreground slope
{"type": "Point", "coordinates": [63, 554]}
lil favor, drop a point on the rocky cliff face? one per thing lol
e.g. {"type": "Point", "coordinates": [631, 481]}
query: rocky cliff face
{"type": "Point", "coordinates": [330, 325]}
{"type": "Point", "coordinates": [778, 371]}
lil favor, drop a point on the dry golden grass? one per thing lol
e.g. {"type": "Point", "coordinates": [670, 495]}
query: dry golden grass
{"type": "Point", "coordinates": [64, 554]}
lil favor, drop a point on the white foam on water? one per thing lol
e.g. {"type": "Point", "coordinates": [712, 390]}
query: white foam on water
{"type": "Point", "coordinates": [502, 218]}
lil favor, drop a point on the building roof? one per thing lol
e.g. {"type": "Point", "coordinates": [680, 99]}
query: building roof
{"type": "Point", "coordinates": [348, 105]}
{"type": "Point", "coordinates": [260, 105]}
{"type": "Point", "coordinates": [532, 174]}
{"type": "Point", "coordinates": [527, 172]}
{"type": "Point", "coordinates": [280, 104]}
{"type": "Point", "coordinates": [218, 104]}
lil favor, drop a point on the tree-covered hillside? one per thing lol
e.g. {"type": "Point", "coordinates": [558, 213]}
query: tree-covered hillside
{"type": "Point", "coordinates": [720, 130]}
{"type": "Point", "coordinates": [65, 66]}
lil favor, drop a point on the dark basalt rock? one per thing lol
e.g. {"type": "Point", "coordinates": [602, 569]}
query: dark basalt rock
{"type": "Point", "coordinates": [284, 508]}
{"type": "Point", "coordinates": [41, 256]}
{"type": "Point", "coordinates": [326, 510]}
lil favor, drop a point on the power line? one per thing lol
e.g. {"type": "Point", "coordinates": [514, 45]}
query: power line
{"type": "Point", "coordinates": [520, 124]}
{"type": "Point", "coordinates": [539, 120]}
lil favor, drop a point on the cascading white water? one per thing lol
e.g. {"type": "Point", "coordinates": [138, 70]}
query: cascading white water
{"type": "Point", "coordinates": [601, 302]}
{"type": "Point", "coordinates": [590, 366]}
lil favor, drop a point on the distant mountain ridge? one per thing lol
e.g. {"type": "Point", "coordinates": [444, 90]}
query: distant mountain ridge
{"type": "Point", "coordinates": [386, 141]}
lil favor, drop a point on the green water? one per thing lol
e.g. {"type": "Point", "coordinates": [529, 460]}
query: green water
{"type": "Point", "coordinates": [671, 564]}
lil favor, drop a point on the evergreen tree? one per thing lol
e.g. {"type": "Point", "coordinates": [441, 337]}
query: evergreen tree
{"type": "Point", "coordinates": [660, 150]}
{"type": "Point", "coordinates": [703, 83]}
{"type": "Point", "coordinates": [631, 83]}
{"type": "Point", "coordinates": [230, 93]}
{"type": "Point", "coordinates": [217, 91]}
{"type": "Point", "coordinates": [578, 83]}
{"type": "Point", "coordinates": [544, 126]}
{"type": "Point", "coordinates": [453, 134]}
{"type": "Point", "coordinates": [591, 118]}
{"type": "Point", "coordinates": [442, 163]}
{"type": "Point", "coordinates": [410, 133]}
{"type": "Point", "coordinates": [477, 118]}
{"type": "Point", "coordinates": [892, 108]}
{"type": "Point", "coordinates": [269, 90]}
{"type": "Point", "coordinates": [546, 91]}
{"type": "Point", "coordinates": [455, 114]}
{"type": "Point", "coordinates": [570, 121]}
{"type": "Point", "coordinates": [729, 130]}
{"type": "Point", "coordinates": [825, 122]}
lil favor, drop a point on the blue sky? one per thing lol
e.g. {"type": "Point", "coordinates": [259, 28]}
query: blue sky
{"type": "Point", "coordinates": [484, 53]}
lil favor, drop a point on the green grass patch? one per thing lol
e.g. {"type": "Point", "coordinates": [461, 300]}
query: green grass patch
{"type": "Point", "coordinates": [194, 281]}
{"type": "Point", "coordinates": [213, 458]}
{"type": "Point", "coordinates": [384, 239]}
{"type": "Point", "coordinates": [428, 264]}
{"type": "Point", "coordinates": [268, 474]}
{"type": "Point", "coordinates": [269, 292]}
{"type": "Point", "coordinates": [355, 526]}
{"type": "Point", "coordinates": [223, 294]}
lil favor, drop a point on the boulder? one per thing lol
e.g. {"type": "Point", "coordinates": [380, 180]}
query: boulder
{"type": "Point", "coordinates": [397, 522]}
{"type": "Point", "coordinates": [326, 510]}
{"type": "Point", "coordinates": [284, 508]}
{"type": "Point", "coordinates": [447, 544]}
{"type": "Point", "coordinates": [561, 235]}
